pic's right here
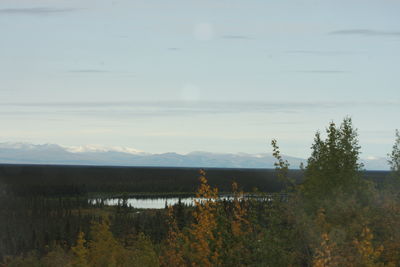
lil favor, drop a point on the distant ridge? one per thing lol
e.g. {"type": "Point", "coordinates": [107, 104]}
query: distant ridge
{"type": "Point", "coordinates": [27, 153]}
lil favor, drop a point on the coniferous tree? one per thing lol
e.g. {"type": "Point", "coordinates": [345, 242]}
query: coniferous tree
{"type": "Point", "coordinates": [334, 162]}
{"type": "Point", "coordinates": [103, 247]}
{"type": "Point", "coordinates": [394, 156]}
{"type": "Point", "coordinates": [282, 167]}
{"type": "Point", "coordinates": [141, 253]}
{"type": "Point", "coordinates": [80, 251]}
{"type": "Point", "coordinates": [173, 250]}
{"type": "Point", "coordinates": [204, 239]}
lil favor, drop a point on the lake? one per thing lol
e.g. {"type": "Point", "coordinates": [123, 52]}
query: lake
{"type": "Point", "coordinates": [160, 203]}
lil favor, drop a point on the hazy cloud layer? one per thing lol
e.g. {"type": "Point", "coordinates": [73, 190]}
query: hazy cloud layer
{"type": "Point", "coordinates": [88, 71]}
{"type": "Point", "coordinates": [163, 109]}
{"type": "Point", "coordinates": [366, 32]}
{"type": "Point", "coordinates": [320, 71]}
{"type": "Point", "coordinates": [199, 104]}
{"type": "Point", "coordinates": [237, 37]}
{"type": "Point", "coordinates": [319, 52]}
{"type": "Point", "coordinates": [36, 10]}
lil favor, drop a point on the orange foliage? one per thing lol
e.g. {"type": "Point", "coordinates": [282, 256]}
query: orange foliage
{"type": "Point", "coordinates": [239, 224]}
{"type": "Point", "coordinates": [80, 251]}
{"type": "Point", "coordinates": [173, 255]}
{"type": "Point", "coordinates": [205, 242]}
{"type": "Point", "coordinates": [369, 255]}
{"type": "Point", "coordinates": [200, 244]}
{"type": "Point", "coordinates": [324, 256]}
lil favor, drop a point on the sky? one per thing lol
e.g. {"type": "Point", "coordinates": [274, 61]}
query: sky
{"type": "Point", "coordinates": [204, 75]}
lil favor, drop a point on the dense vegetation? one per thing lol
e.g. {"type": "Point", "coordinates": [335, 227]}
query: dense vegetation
{"type": "Point", "coordinates": [60, 181]}
{"type": "Point", "coordinates": [334, 217]}
{"type": "Point", "coordinates": [39, 180]}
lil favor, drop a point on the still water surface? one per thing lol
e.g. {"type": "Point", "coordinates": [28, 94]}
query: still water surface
{"type": "Point", "coordinates": [149, 203]}
{"type": "Point", "coordinates": [160, 203]}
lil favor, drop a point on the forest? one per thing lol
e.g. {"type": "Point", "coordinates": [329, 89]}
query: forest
{"type": "Point", "coordinates": [329, 213]}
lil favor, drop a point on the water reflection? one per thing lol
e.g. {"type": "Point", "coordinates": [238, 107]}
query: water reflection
{"type": "Point", "coordinates": [149, 203]}
{"type": "Point", "coordinates": [160, 203]}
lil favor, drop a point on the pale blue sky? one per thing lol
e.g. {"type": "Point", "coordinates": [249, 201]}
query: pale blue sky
{"type": "Point", "coordinates": [218, 76]}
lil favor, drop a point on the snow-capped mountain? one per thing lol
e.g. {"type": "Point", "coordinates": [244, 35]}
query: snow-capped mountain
{"type": "Point", "coordinates": [26, 153]}
{"type": "Point", "coordinates": [99, 148]}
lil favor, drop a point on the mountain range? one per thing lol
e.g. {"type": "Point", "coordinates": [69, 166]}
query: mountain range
{"type": "Point", "coordinates": [26, 153]}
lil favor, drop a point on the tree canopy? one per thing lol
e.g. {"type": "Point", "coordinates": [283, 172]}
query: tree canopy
{"type": "Point", "coordinates": [334, 162]}
{"type": "Point", "coordinates": [394, 157]}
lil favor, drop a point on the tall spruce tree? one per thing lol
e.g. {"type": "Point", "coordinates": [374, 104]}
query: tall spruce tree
{"type": "Point", "coordinates": [394, 157]}
{"type": "Point", "coordinates": [334, 162]}
{"type": "Point", "coordinates": [392, 183]}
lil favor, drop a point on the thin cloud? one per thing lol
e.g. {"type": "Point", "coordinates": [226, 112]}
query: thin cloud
{"type": "Point", "coordinates": [36, 11]}
{"type": "Point", "coordinates": [175, 108]}
{"type": "Point", "coordinates": [365, 32]}
{"type": "Point", "coordinates": [236, 37]}
{"type": "Point", "coordinates": [126, 111]}
{"type": "Point", "coordinates": [174, 48]}
{"type": "Point", "coordinates": [88, 71]}
{"type": "Point", "coordinates": [319, 52]}
{"type": "Point", "coordinates": [320, 71]}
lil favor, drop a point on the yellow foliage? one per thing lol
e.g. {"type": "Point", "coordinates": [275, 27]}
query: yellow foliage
{"type": "Point", "coordinates": [80, 251]}
{"type": "Point", "coordinates": [200, 243]}
{"type": "Point", "coordinates": [204, 241]}
{"type": "Point", "coordinates": [172, 255]}
{"type": "Point", "coordinates": [239, 224]}
{"type": "Point", "coordinates": [58, 257]}
{"type": "Point", "coordinates": [103, 247]}
{"type": "Point", "coordinates": [140, 253]}
{"type": "Point", "coordinates": [325, 254]}
{"type": "Point", "coordinates": [368, 253]}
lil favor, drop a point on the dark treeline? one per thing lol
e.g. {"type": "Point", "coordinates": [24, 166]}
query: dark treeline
{"type": "Point", "coordinates": [54, 180]}
{"type": "Point", "coordinates": [28, 223]}
{"type": "Point", "coordinates": [72, 180]}
{"type": "Point", "coordinates": [42, 223]}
